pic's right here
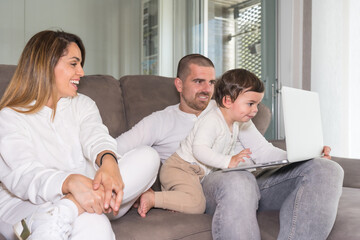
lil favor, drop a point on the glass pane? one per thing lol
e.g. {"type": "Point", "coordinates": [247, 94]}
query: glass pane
{"type": "Point", "coordinates": [234, 35]}
{"type": "Point", "coordinates": [248, 38]}
{"type": "Point", "coordinates": [188, 28]}
{"type": "Point", "coordinates": [150, 41]}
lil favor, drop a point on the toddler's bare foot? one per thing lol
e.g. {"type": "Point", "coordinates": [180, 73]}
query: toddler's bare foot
{"type": "Point", "coordinates": [147, 201]}
{"type": "Point", "coordinates": [136, 203]}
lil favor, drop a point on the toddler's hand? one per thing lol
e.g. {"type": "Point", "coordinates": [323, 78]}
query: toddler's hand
{"type": "Point", "coordinates": [236, 159]}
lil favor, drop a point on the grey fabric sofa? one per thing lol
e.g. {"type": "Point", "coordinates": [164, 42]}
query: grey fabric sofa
{"type": "Point", "coordinates": [122, 103]}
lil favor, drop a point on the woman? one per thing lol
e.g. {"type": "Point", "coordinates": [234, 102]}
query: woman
{"type": "Point", "coordinates": [59, 167]}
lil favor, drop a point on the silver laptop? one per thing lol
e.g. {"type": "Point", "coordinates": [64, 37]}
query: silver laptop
{"type": "Point", "coordinates": [303, 128]}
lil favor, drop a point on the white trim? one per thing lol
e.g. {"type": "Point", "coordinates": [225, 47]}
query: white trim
{"type": "Point", "coordinates": [289, 52]}
{"type": "Point", "coordinates": [206, 26]}
{"type": "Point", "coordinates": [165, 23]}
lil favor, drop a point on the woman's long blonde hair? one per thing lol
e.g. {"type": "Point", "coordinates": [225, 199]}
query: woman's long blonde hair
{"type": "Point", "coordinates": [34, 77]}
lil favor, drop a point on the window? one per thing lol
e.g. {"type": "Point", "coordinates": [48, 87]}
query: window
{"type": "Point", "coordinates": [236, 33]}
{"type": "Point", "coordinates": [248, 37]}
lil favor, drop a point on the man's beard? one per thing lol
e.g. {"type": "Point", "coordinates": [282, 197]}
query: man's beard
{"type": "Point", "coordinates": [198, 105]}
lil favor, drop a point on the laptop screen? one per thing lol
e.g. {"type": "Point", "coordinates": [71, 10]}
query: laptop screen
{"type": "Point", "coordinates": [302, 122]}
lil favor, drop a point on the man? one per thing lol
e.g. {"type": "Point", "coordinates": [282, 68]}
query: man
{"type": "Point", "coordinates": [306, 193]}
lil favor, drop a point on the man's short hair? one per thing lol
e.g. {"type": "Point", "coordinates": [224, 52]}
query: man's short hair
{"type": "Point", "coordinates": [197, 59]}
{"type": "Point", "coordinates": [234, 82]}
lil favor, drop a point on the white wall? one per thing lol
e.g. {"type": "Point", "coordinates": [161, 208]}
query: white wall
{"type": "Point", "coordinates": [110, 30]}
{"type": "Point", "coordinates": [12, 31]}
{"type": "Point", "coordinates": [335, 72]}
{"type": "Point", "coordinates": [130, 34]}
{"type": "Point", "coordinates": [354, 78]}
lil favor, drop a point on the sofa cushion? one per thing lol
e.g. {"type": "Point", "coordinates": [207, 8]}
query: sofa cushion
{"type": "Point", "coordinates": [7, 71]}
{"type": "Point", "coordinates": [162, 224]}
{"type": "Point", "coordinates": [351, 169]}
{"type": "Point", "coordinates": [346, 224]}
{"type": "Point", "coordinates": [262, 119]}
{"type": "Point", "coordinates": [269, 224]}
{"type": "Point", "coordinates": [144, 94]}
{"type": "Point", "coordinates": [108, 99]}
{"type": "Point", "coordinates": [110, 104]}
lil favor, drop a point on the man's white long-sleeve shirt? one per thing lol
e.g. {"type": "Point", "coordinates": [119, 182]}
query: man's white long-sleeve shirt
{"type": "Point", "coordinates": [164, 130]}
{"type": "Point", "coordinates": [38, 153]}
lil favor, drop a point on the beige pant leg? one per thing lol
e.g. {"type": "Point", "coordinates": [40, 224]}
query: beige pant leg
{"type": "Point", "coordinates": [181, 187]}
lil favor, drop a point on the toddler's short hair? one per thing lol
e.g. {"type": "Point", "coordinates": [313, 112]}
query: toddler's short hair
{"type": "Point", "coordinates": [234, 82]}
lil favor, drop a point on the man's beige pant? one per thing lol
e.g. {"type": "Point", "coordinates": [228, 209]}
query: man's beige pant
{"type": "Point", "coordinates": [181, 186]}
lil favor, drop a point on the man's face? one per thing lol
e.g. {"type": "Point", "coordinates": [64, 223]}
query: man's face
{"type": "Point", "coordinates": [197, 89]}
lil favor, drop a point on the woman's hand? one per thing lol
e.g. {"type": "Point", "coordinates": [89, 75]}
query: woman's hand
{"type": "Point", "coordinates": [236, 159]}
{"type": "Point", "coordinates": [108, 176]}
{"type": "Point", "coordinates": [71, 198]}
{"type": "Point", "coordinates": [81, 188]}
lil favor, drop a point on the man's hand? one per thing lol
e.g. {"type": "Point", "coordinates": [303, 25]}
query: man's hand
{"type": "Point", "coordinates": [326, 151]}
{"type": "Point", "coordinates": [236, 159]}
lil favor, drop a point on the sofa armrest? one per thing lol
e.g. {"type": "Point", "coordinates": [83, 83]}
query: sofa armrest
{"type": "Point", "coordinates": [351, 168]}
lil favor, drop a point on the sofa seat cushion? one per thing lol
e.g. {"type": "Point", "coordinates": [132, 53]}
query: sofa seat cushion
{"type": "Point", "coordinates": [161, 224]}
{"type": "Point", "coordinates": [347, 223]}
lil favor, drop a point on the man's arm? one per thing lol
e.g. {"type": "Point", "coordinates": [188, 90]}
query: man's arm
{"type": "Point", "coordinates": [142, 134]}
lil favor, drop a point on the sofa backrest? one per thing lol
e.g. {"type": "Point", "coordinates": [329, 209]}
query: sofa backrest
{"type": "Point", "coordinates": [144, 94]}
{"type": "Point", "coordinates": [262, 119]}
{"type": "Point", "coordinates": [106, 92]}
{"type": "Point", "coordinates": [122, 103]}
{"type": "Point", "coordinates": [6, 73]}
